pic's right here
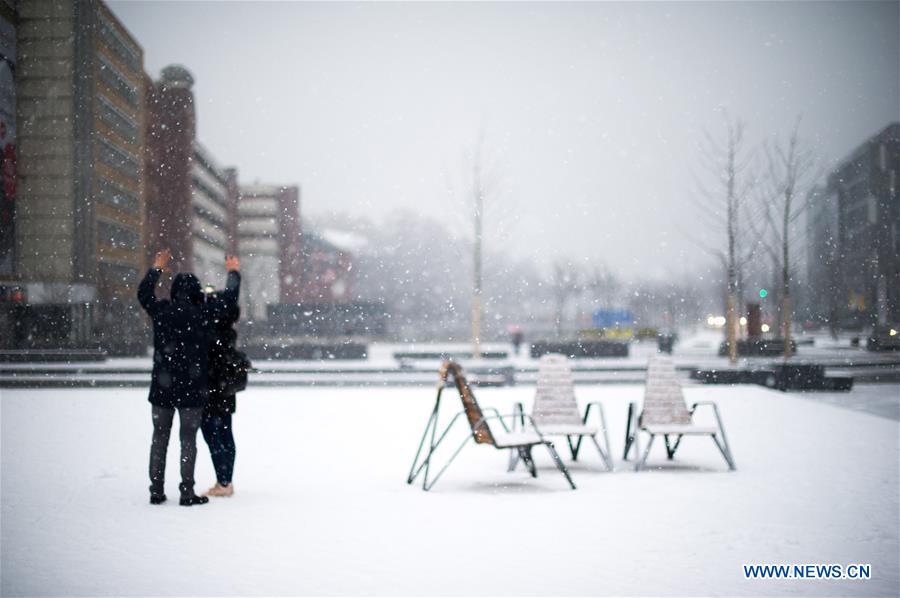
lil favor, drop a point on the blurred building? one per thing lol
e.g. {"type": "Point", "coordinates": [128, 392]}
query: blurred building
{"type": "Point", "coordinates": [8, 19]}
{"type": "Point", "coordinates": [327, 305]}
{"type": "Point", "coordinates": [854, 236]}
{"type": "Point", "coordinates": [191, 200]}
{"type": "Point", "coordinates": [268, 232]}
{"type": "Point", "coordinates": [326, 271]}
{"type": "Point", "coordinates": [77, 228]}
{"type": "Point", "coordinates": [822, 258]}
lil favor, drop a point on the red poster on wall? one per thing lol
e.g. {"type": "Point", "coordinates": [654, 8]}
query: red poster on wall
{"type": "Point", "coordinates": [7, 147]}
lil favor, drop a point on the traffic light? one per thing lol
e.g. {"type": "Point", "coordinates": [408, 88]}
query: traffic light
{"type": "Point", "coordinates": [763, 293]}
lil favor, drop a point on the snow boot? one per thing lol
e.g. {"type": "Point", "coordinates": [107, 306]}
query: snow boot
{"type": "Point", "coordinates": [220, 490]}
{"type": "Point", "coordinates": [157, 499]}
{"type": "Point", "coordinates": [188, 501]}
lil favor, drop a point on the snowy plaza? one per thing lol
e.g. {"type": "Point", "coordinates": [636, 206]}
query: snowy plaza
{"type": "Point", "coordinates": [322, 506]}
{"type": "Point", "coordinates": [457, 298]}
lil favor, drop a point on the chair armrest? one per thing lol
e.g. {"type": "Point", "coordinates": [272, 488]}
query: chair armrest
{"type": "Point", "coordinates": [632, 431]}
{"type": "Point", "coordinates": [496, 415]}
{"type": "Point", "coordinates": [518, 411]}
{"type": "Point", "coordinates": [715, 408]}
{"type": "Point", "coordinates": [705, 404]}
{"type": "Point", "coordinates": [599, 407]}
{"type": "Point", "coordinates": [500, 417]}
{"type": "Point", "coordinates": [634, 414]}
{"type": "Point", "coordinates": [727, 449]}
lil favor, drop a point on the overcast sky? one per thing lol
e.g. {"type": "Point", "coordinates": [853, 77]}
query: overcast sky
{"type": "Point", "coordinates": [592, 111]}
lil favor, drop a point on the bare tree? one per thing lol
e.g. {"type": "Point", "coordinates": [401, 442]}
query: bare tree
{"type": "Point", "coordinates": [721, 207]}
{"type": "Point", "coordinates": [566, 283]}
{"type": "Point", "coordinates": [481, 197]}
{"type": "Point", "coordinates": [789, 172]}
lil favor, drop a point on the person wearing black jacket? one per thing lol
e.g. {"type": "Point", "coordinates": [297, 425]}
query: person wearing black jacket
{"type": "Point", "coordinates": [181, 337]}
{"type": "Point", "coordinates": [216, 425]}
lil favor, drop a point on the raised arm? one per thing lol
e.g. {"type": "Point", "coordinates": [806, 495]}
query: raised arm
{"type": "Point", "coordinates": [224, 307]}
{"type": "Point", "coordinates": [233, 284]}
{"type": "Point", "coordinates": [147, 289]}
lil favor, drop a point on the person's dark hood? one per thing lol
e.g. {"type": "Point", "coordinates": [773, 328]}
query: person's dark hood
{"type": "Point", "coordinates": [186, 288]}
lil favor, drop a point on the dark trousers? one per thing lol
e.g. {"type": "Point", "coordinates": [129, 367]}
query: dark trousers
{"type": "Point", "coordinates": [162, 426]}
{"type": "Point", "coordinates": [218, 435]}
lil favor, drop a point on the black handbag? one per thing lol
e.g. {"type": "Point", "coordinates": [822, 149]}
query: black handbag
{"type": "Point", "coordinates": [235, 367]}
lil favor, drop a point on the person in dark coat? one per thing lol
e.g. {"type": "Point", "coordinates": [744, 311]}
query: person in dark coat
{"type": "Point", "coordinates": [181, 337]}
{"type": "Point", "coordinates": [221, 404]}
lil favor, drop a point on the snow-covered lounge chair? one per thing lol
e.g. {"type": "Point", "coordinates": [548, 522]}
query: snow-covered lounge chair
{"type": "Point", "coordinates": [666, 414]}
{"type": "Point", "coordinates": [482, 432]}
{"type": "Point", "coordinates": [556, 413]}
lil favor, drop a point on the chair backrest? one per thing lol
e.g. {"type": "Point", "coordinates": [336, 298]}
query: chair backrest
{"type": "Point", "coordinates": [554, 399]}
{"type": "Point", "coordinates": [663, 399]}
{"type": "Point", "coordinates": [480, 431]}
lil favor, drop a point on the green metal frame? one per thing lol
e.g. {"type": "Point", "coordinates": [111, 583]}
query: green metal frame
{"type": "Point", "coordinates": [434, 441]}
{"type": "Point", "coordinates": [574, 448]}
{"type": "Point", "coordinates": [633, 429]}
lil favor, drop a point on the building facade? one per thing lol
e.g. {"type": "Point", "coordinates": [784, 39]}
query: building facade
{"type": "Point", "coordinates": [326, 273]}
{"type": "Point", "coordinates": [8, 20]}
{"type": "Point", "coordinates": [191, 199]}
{"type": "Point", "coordinates": [214, 207]}
{"type": "Point", "coordinates": [79, 185]}
{"type": "Point", "coordinates": [823, 301]}
{"type": "Point", "coordinates": [854, 239]}
{"type": "Point", "coordinates": [269, 245]}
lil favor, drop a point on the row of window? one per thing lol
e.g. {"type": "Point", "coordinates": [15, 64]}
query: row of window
{"type": "Point", "coordinates": [118, 44]}
{"type": "Point", "coordinates": [114, 195]}
{"type": "Point", "coordinates": [208, 191]}
{"type": "Point", "coordinates": [209, 216]}
{"type": "Point", "coordinates": [118, 158]}
{"type": "Point", "coordinates": [201, 234]}
{"type": "Point", "coordinates": [258, 207]}
{"type": "Point", "coordinates": [118, 81]}
{"type": "Point", "coordinates": [117, 120]}
{"type": "Point", "coordinates": [115, 235]}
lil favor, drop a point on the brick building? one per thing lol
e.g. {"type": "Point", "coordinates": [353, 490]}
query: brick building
{"type": "Point", "coordinates": [191, 200]}
{"type": "Point", "coordinates": [326, 272]}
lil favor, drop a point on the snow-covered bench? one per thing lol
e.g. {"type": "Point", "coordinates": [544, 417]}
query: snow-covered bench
{"type": "Point", "coordinates": [555, 409]}
{"type": "Point", "coordinates": [482, 432]}
{"type": "Point", "coordinates": [666, 414]}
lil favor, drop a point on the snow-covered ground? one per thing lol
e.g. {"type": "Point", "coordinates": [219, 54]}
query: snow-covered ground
{"type": "Point", "coordinates": [322, 507]}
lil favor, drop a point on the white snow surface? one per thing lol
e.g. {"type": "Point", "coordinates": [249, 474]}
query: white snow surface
{"type": "Point", "coordinates": [321, 504]}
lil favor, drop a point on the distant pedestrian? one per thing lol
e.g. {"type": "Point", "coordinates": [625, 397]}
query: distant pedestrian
{"type": "Point", "coordinates": [227, 375]}
{"type": "Point", "coordinates": [181, 336]}
{"type": "Point", "coordinates": [517, 338]}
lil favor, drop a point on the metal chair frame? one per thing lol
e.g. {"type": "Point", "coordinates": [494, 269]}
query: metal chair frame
{"type": "Point", "coordinates": [633, 429]}
{"type": "Point", "coordinates": [480, 433]}
{"type": "Point", "coordinates": [574, 448]}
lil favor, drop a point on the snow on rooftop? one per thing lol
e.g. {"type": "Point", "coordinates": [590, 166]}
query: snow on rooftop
{"type": "Point", "coordinates": [263, 190]}
{"type": "Point", "coordinates": [321, 504]}
{"type": "Point", "coordinates": [344, 240]}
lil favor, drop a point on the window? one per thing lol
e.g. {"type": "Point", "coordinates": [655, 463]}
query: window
{"type": "Point", "coordinates": [115, 235]}
{"type": "Point", "coordinates": [118, 44]}
{"type": "Point", "coordinates": [114, 195]}
{"type": "Point", "coordinates": [118, 158]}
{"type": "Point", "coordinates": [119, 82]}
{"type": "Point", "coordinates": [117, 120]}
